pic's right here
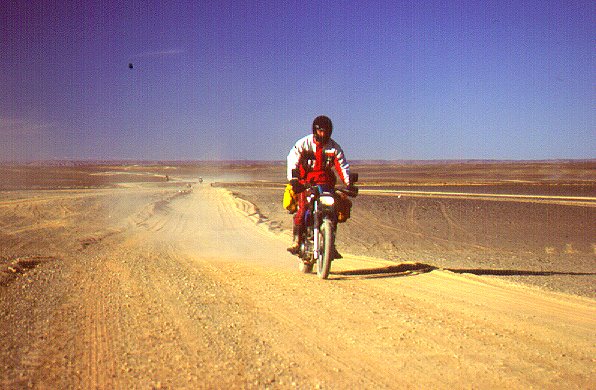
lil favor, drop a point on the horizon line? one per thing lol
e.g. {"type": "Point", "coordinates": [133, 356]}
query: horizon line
{"type": "Point", "coordinates": [265, 161]}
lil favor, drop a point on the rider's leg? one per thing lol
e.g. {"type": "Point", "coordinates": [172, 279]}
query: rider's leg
{"type": "Point", "coordinates": [335, 253]}
{"type": "Point", "coordinates": [295, 246]}
{"type": "Point", "coordinates": [298, 228]}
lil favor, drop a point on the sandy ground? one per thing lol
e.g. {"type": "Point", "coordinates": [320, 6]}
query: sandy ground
{"type": "Point", "coordinates": [158, 285]}
{"type": "Point", "coordinates": [545, 242]}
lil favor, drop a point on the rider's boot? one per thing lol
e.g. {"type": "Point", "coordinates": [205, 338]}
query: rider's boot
{"type": "Point", "coordinates": [335, 254]}
{"type": "Point", "coordinates": [295, 247]}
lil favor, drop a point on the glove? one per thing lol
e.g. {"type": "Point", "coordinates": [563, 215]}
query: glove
{"type": "Point", "coordinates": [353, 189]}
{"type": "Point", "coordinates": [296, 186]}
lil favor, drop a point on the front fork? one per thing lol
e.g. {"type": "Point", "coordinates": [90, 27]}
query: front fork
{"type": "Point", "coordinates": [317, 216]}
{"type": "Point", "coordinates": [316, 226]}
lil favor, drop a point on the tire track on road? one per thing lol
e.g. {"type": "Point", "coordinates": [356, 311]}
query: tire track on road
{"type": "Point", "coordinates": [550, 199]}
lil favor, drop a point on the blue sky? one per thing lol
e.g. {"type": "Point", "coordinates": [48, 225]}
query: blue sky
{"type": "Point", "coordinates": [243, 80]}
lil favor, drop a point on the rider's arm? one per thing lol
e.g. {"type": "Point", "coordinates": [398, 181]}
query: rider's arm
{"type": "Point", "coordinates": [341, 165]}
{"type": "Point", "coordinates": [294, 157]}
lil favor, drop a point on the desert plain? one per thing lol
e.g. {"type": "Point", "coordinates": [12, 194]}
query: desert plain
{"type": "Point", "coordinates": [456, 274]}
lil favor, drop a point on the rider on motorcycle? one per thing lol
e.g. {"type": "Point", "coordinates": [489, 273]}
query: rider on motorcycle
{"type": "Point", "coordinates": [314, 156]}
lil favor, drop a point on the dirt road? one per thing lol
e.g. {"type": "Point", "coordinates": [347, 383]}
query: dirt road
{"type": "Point", "coordinates": [160, 287]}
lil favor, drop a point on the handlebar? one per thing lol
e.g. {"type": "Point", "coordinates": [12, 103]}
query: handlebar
{"type": "Point", "coordinates": [350, 191]}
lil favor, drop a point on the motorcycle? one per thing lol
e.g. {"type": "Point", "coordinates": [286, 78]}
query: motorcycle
{"type": "Point", "coordinates": [317, 245]}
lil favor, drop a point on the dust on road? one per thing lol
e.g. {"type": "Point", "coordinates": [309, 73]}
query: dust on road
{"type": "Point", "coordinates": [151, 287]}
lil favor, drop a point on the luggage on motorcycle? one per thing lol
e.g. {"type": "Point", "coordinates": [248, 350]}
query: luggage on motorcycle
{"type": "Point", "coordinates": [343, 207]}
{"type": "Point", "coordinates": [290, 203]}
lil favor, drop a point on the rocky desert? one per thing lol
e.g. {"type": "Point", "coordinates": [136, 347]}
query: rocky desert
{"type": "Point", "coordinates": [169, 275]}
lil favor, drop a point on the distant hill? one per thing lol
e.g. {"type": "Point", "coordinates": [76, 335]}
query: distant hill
{"type": "Point", "coordinates": [227, 163]}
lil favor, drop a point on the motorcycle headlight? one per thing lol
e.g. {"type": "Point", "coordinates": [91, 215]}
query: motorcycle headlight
{"type": "Point", "coordinates": [327, 200]}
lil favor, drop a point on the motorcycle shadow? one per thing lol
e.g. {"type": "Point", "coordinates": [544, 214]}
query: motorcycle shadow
{"type": "Point", "coordinates": [392, 271]}
{"type": "Point", "coordinates": [412, 269]}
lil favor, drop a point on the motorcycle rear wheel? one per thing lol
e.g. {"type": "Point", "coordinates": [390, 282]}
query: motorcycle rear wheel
{"type": "Point", "coordinates": [325, 255]}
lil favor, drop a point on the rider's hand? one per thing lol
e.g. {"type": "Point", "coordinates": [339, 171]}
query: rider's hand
{"type": "Point", "coordinates": [353, 189]}
{"type": "Point", "coordinates": [296, 186]}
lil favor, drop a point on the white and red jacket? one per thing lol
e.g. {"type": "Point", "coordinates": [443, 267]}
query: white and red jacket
{"type": "Point", "coordinates": [315, 162]}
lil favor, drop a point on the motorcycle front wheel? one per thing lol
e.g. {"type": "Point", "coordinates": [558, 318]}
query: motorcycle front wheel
{"type": "Point", "coordinates": [326, 244]}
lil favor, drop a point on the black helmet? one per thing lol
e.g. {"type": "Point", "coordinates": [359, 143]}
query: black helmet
{"type": "Point", "coordinates": [322, 122]}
